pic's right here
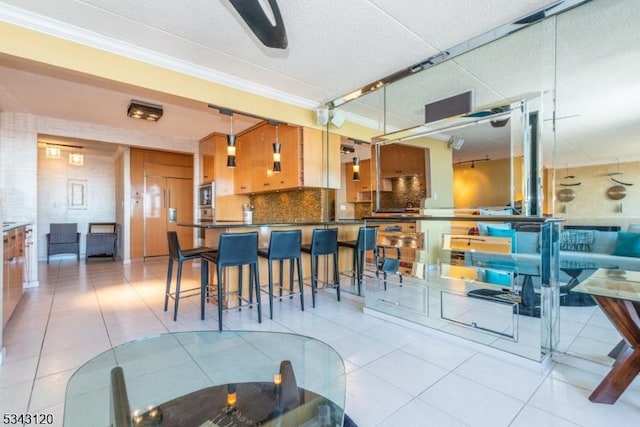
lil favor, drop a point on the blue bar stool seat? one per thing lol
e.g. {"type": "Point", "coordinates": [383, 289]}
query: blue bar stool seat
{"type": "Point", "coordinates": [366, 241]}
{"type": "Point", "coordinates": [234, 250]}
{"type": "Point", "coordinates": [284, 245]}
{"type": "Point", "coordinates": [179, 255]}
{"type": "Point", "coordinates": [324, 241]}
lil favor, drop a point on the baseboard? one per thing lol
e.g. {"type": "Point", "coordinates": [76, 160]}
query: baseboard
{"type": "Point", "coordinates": [30, 284]}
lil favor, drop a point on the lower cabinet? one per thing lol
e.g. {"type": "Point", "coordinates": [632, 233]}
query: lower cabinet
{"type": "Point", "coordinates": [12, 273]}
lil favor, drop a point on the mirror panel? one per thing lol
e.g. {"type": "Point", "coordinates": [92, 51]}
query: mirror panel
{"type": "Point", "coordinates": [578, 72]}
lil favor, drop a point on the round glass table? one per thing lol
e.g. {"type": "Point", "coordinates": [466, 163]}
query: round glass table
{"type": "Point", "coordinates": [208, 379]}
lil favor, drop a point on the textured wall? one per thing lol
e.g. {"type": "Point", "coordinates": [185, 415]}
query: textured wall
{"type": "Point", "coordinates": [296, 205]}
{"type": "Point", "coordinates": [404, 191]}
{"type": "Point", "coordinates": [591, 204]}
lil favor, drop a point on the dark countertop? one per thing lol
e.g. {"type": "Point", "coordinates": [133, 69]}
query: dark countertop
{"type": "Point", "coordinates": [223, 224]}
{"type": "Point", "coordinates": [10, 225]}
{"type": "Point", "coordinates": [486, 218]}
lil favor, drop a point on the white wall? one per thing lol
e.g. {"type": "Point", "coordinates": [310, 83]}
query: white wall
{"type": "Point", "coordinates": [98, 172]}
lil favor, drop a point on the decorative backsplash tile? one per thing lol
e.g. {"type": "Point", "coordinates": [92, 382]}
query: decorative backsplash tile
{"type": "Point", "coordinates": [405, 192]}
{"type": "Point", "coordinates": [296, 206]}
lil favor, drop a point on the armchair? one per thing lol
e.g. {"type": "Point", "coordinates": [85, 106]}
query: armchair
{"type": "Point", "coordinates": [102, 240]}
{"type": "Point", "coordinates": [63, 239]}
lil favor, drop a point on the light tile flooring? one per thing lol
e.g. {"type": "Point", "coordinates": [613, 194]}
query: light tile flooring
{"type": "Point", "coordinates": [397, 376]}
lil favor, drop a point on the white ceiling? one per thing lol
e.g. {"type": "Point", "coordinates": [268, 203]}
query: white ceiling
{"type": "Point", "coordinates": [335, 46]}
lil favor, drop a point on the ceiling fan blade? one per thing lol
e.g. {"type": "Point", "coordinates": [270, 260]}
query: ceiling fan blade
{"type": "Point", "coordinates": [274, 36]}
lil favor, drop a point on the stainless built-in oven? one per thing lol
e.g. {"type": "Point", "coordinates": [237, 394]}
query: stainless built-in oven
{"type": "Point", "coordinates": [207, 201]}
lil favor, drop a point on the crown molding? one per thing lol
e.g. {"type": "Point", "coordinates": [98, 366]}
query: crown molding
{"type": "Point", "coordinates": [55, 28]}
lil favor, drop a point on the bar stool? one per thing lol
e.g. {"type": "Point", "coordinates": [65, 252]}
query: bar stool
{"type": "Point", "coordinates": [234, 249]}
{"type": "Point", "coordinates": [179, 255]}
{"type": "Point", "coordinates": [388, 265]}
{"type": "Point", "coordinates": [324, 241]}
{"type": "Point", "coordinates": [366, 241]}
{"type": "Point", "coordinates": [284, 245]}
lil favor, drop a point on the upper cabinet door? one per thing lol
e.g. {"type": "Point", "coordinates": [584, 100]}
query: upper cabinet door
{"type": "Point", "coordinates": [398, 160]}
{"type": "Point", "coordinates": [321, 159]}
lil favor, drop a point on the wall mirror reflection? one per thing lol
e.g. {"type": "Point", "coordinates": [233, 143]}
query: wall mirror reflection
{"type": "Point", "coordinates": [577, 72]}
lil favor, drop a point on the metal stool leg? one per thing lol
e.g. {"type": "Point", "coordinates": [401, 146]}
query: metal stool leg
{"type": "Point", "coordinates": [219, 274]}
{"type": "Point", "coordinates": [336, 279]}
{"type": "Point", "coordinates": [300, 283]}
{"type": "Point", "coordinates": [270, 289]}
{"type": "Point", "coordinates": [168, 290]}
{"type": "Point", "coordinates": [314, 276]}
{"type": "Point", "coordinates": [177, 296]}
{"type": "Point", "coordinates": [204, 285]}
{"type": "Point", "coordinates": [254, 274]}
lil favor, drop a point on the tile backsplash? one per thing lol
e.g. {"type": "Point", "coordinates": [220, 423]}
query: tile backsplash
{"type": "Point", "coordinates": [304, 205]}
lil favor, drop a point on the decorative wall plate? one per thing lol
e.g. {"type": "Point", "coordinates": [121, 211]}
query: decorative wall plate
{"type": "Point", "coordinates": [617, 192]}
{"type": "Point", "coordinates": [566, 195]}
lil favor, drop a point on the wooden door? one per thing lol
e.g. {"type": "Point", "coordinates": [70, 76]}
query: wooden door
{"type": "Point", "coordinates": [155, 216]}
{"type": "Point", "coordinates": [180, 198]}
{"type": "Point", "coordinates": [168, 201]}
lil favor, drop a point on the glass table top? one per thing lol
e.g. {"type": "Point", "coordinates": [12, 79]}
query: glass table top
{"type": "Point", "coordinates": [164, 369]}
{"type": "Point", "coordinates": [618, 284]}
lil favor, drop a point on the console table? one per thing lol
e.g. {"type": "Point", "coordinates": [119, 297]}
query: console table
{"type": "Point", "coordinates": [210, 378]}
{"type": "Point", "coordinates": [617, 293]}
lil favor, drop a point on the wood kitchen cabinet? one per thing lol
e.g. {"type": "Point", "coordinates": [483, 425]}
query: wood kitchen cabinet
{"type": "Point", "coordinates": [214, 164]}
{"type": "Point", "coordinates": [321, 159]}
{"type": "Point", "coordinates": [304, 157]}
{"type": "Point", "coordinates": [359, 191]}
{"type": "Point", "coordinates": [207, 156]}
{"type": "Point", "coordinates": [397, 160]}
{"type": "Point", "coordinates": [208, 168]}
{"type": "Point", "coordinates": [12, 271]}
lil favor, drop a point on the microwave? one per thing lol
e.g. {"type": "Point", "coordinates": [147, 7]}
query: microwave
{"type": "Point", "coordinates": [207, 195]}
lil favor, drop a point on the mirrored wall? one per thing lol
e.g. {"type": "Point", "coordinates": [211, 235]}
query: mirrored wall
{"type": "Point", "coordinates": [576, 74]}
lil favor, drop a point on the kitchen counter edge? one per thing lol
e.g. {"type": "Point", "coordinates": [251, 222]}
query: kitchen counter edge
{"type": "Point", "coordinates": [221, 224]}
{"type": "Point", "coordinates": [8, 226]}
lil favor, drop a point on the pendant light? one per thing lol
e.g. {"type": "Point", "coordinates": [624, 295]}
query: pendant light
{"type": "Point", "coordinates": [231, 145]}
{"type": "Point", "coordinates": [276, 154]}
{"type": "Point", "coordinates": [356, 169]}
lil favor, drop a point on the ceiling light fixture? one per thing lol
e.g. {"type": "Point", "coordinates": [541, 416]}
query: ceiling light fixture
{"type": "Point", "coordinates": [347, 149]}
{"type": "Point", "coordinates": [455, 143]}
{"type": "Point", "coordinates": [52, 152]}
{"type": "Point", "coordinates": [144, 111]}
{"type": "Point", "coordinates": [472, 162]}
{"type": "Point", "coordinates": [76, 159]}
{"type": "Point", "coordinates": [356, 169]}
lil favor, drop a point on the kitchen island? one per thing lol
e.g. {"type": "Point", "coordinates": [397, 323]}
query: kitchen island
{"type": "Point", "coordinates": [209, 234]}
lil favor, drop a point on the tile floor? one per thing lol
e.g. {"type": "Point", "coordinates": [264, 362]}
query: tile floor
{"type": "Point", "coordinates": [396, 376]}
